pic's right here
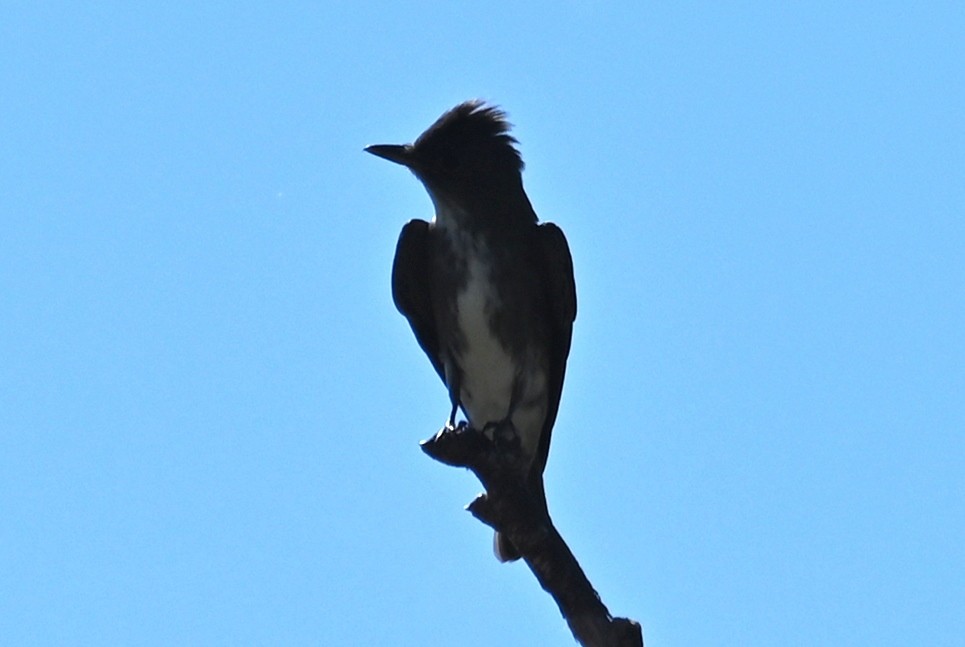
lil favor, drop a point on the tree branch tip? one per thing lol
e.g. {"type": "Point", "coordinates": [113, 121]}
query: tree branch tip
{"type": "Point", "coordinates": [627, 632]}
{"type": "Point", "coordinates": [508, 506]}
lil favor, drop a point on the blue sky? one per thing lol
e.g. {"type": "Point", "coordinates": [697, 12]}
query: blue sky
{"type": "Point", "coordinates": [210, 410]}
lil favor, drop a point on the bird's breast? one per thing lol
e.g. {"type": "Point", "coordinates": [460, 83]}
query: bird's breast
{"type": "Point", "coordinates": [486, 366]}
{"type": "Point", "coordinates": [498, 376]}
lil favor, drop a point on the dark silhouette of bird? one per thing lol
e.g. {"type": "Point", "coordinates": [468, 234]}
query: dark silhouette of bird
{"type": "Point", "coordinates": [488, 290]}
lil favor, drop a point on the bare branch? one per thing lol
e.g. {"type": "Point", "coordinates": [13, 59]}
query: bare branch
{"type": "Point", "coordinates": [508, 507]}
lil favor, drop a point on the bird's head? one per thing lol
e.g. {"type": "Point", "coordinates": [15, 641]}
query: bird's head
{"type": "Point", "coordinates": [465, 157]}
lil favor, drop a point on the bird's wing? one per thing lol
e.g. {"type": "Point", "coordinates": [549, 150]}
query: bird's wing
{"type": "Point", "coordinates": [411, 289]}
{"type": "Point", "coordinates": [560, 290]}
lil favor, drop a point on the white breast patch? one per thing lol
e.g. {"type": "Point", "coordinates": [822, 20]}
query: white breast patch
{"type": "Point", "coordinates": [487, 368]}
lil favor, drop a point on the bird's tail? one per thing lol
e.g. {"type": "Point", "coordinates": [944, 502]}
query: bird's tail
{"type": "Point", "coordinates": [503, 548]}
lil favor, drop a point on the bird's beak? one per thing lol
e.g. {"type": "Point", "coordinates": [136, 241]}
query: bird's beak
{"type": "Point", "coordinates": [393, 152]}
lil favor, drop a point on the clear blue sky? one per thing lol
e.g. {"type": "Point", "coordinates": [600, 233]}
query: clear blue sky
{"type": "Point", "coordinates": [210, 410]}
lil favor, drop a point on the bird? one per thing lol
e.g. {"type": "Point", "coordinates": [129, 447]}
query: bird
{"type": "Point", "coordinates": [487, 289]}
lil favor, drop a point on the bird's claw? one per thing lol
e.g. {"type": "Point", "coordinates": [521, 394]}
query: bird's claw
{"type": "Point", "coordinates": [503, 435]}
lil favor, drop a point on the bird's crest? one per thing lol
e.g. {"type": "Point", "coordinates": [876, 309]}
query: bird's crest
{"type": "Point", "coordinates": [472, 124]}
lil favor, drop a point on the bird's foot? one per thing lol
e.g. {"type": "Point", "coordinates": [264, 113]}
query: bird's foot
{"type": "Point", "coordinates": [455, 445]}
{"type": "Point", "coordinates": [503, 435]}
{"type": "Point", "coordinates": [452, 425]}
